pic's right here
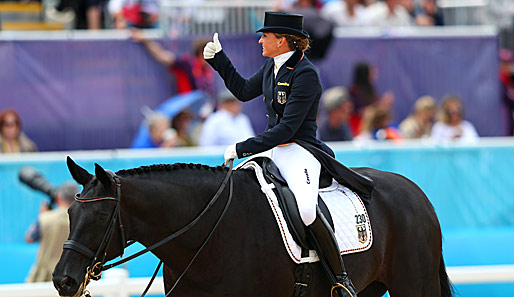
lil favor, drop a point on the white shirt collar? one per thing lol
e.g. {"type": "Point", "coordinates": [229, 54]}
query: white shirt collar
{"type": "Point", "coordinates": [280, 60]}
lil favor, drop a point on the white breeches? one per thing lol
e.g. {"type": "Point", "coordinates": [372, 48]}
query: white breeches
{"type": "Point", "coordinates": [301, 171]}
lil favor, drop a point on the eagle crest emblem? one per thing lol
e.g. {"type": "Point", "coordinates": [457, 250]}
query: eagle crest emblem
{"type": "Point", "coordinates": [362, 233]}
{"type": "Point", "coordinates": [281, 97]}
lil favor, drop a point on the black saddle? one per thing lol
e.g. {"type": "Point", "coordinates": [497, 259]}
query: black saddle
{"type": "Point", "coordinates": [287, 201]}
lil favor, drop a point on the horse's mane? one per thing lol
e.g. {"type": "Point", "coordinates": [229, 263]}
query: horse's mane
{"type": "Point", "coordinates": [167, 167]}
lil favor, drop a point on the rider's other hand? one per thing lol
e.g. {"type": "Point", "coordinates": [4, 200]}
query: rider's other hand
{"type": "Point", "coordinates": [230, 153]}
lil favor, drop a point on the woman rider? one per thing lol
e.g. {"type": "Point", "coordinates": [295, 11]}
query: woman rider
{"type": "Point", "coordinates": [292, 89]}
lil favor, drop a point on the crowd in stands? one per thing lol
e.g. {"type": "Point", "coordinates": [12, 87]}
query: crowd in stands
{"type": "Point", "coordinates": [357, 115]}
{"type": "Point", "coordinates": [347, 113]}
{"type": "Point", "coordinates": [350, 13]}
{"type": "Point", "coordinates": [122, 14]}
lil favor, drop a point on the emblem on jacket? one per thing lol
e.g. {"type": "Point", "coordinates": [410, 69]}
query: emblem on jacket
{"type": "Point", "coordinates": [281, 97]}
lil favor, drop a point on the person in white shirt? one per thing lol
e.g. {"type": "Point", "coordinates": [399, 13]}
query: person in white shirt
{"type": "Point", "coordinates": [451, 125]}
{"type": "Point", "coordinates": [227, 125]}
{"type": "Point", "coordinates": [388, 13]}
{"type": "Point", "coordinates": [344, 13]}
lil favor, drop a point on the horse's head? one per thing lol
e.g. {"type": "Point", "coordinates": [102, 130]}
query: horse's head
{"type": "Point", "coordinates": [94, 234]}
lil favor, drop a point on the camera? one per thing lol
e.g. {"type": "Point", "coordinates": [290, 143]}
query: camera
{"type": "Point", "coordinates": [29, 176]}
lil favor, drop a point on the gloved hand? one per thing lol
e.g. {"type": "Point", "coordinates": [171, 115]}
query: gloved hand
{"type": "Point", "coordinates": [212, 47]}
{"type": "Point", "coordinates": [230, 153]}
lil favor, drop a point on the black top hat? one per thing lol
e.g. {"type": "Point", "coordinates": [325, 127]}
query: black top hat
{"type": "Point", "coordinates": [283, 23]}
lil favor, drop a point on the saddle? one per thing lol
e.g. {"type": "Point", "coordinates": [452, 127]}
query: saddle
{"type": "Point", "coordinates": [287, 201]}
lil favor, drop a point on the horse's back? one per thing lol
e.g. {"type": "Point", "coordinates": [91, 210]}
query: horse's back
{"type": "Point", "coordinates": [407, 234]}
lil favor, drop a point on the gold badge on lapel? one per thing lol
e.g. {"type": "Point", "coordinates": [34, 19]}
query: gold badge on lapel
{"type": "Point", "coordinates": [281, 97]}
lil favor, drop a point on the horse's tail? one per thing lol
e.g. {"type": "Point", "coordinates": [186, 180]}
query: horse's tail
{"type": "Point", "coordinates": [447, 289]}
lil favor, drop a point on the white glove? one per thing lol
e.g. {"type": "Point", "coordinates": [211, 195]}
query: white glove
{"type": "Point", "coordinates": [230, 153]}
{"type": "Point", "coordinates": [212, 47]}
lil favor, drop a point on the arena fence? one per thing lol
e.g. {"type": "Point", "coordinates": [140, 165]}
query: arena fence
{"type": "Point", "coordinates": [116, 282]}
{"type": "Point", "coordinates": [182, 18]}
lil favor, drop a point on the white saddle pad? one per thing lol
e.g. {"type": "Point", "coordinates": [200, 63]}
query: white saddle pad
{"type": "Point", "coordinates": [351, 221]}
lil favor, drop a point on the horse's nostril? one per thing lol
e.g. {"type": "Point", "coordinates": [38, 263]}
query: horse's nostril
{"type": "Point", "coordinates": [64, 281]}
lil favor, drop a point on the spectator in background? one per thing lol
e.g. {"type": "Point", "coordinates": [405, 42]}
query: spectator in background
{"type": "Point", "coordinates": [181, 123]}
{"type": "Point", "coordinates": [87, 14]}
{"type": "Point", "coordinates": [319, 29]}
{"type": "Point", "coordinates": [430, 14]}
{"type": "Point", "coordinates": [50, 230]}
{"type": "Point", "coordinates": [12, 138]}
{"type": "Point", "coordinates": [160, 133]}
{"type": "Point", "coordinates": [163, 131]}
{"type": "Point", "coordinates": [228, 124]}
{"type": "Point", "coordinates": [143, 14]}
{"type": "Point", "coordinates": [387, 13]}
{"type": "Point", "coordinates": [191, 72]}
{"type": "Point", "coordinates": [507, 87]}
{"type": "Point", "coordinates": [450, 124]}
{"type": "Point", "coordinates": [363, 93]}
{"type": "Point", "coordinates": [419, 123]}
{"type": "Point", "coordinates": [377, 125]}
{"type": "Point", "coordinates": [410, 6]}
{"type": "Point", "coordinates": [344, 13]}
{"type": "Point", "coordinates": [338, 107]}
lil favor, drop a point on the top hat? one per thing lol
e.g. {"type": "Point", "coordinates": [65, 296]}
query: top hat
{"type": "Point", "coordinates": [283, 23]}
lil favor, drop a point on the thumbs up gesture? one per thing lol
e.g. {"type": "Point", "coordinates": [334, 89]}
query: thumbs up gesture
{"type": "Point", "coordinates": [212, 47]}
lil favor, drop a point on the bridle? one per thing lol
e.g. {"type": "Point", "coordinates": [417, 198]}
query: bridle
{"type": "Point", "coordinates": [96, 267]}
{"type": "Point", "coordinates": [94, 270]}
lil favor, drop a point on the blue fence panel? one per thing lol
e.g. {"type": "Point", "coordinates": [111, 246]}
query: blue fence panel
{"type": "Point", "coordinates": [468, 186]}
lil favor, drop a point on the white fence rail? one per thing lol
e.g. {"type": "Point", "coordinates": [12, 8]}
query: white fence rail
{"type": "Point", "coordinates": [116, 283]}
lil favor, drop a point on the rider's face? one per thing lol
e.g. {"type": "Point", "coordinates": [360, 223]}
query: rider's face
{"type": "Point", "coordinates": [270, 44]}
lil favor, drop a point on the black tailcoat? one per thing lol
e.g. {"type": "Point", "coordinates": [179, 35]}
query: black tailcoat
{"type": "Point", "coordinates": [292, 100]}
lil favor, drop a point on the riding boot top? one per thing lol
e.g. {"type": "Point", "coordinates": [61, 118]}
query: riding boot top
{"type": "Point", "coordinates": [324, 241]}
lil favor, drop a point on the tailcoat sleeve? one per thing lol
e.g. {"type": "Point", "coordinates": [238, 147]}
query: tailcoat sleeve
{"type": "Point", "coordinates": [242, 88]}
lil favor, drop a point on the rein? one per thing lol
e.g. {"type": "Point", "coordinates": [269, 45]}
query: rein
{"type": "Point", "coordinates": [96, 268]}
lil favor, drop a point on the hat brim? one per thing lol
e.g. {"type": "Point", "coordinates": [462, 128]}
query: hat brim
{"type": "Point", "coordinates": [284, 30]}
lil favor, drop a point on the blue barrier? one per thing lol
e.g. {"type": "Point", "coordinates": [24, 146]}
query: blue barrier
{"type": "Point", "coordinates": [467, 184]}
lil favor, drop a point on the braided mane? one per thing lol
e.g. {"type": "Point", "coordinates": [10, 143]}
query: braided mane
{"type": "Point", "coordinates": [168, 167]}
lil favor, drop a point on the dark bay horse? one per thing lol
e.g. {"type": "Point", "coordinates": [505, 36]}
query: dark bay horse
{"type": "Point", "coordinates": [245, 256]}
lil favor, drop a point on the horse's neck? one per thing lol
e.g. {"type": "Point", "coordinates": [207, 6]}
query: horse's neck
{"type": "Point", "coordinates": [155, 208]}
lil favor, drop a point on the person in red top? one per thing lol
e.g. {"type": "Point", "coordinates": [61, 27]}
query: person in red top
{"type": "Point", "coordinates": [190, 70]}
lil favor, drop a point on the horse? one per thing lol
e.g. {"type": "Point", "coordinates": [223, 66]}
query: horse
{"type": "Point", "coordinates": [245, 254]}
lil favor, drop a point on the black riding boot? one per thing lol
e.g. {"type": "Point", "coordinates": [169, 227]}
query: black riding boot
{"type": "Point", "coordinates": [328, 251]}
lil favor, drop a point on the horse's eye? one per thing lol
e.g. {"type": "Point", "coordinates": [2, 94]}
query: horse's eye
{"type": "Point", "coordinates": [103, 216]}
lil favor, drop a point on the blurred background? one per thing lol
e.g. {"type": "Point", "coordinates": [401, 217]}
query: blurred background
{"type": "Point", "coordinates": [424, 88]}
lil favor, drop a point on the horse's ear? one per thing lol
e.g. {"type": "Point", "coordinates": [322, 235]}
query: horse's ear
{"type": "Point", "coordinates": [79, 174]}
{"type": "Point", "coordinates": [103, 177]}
